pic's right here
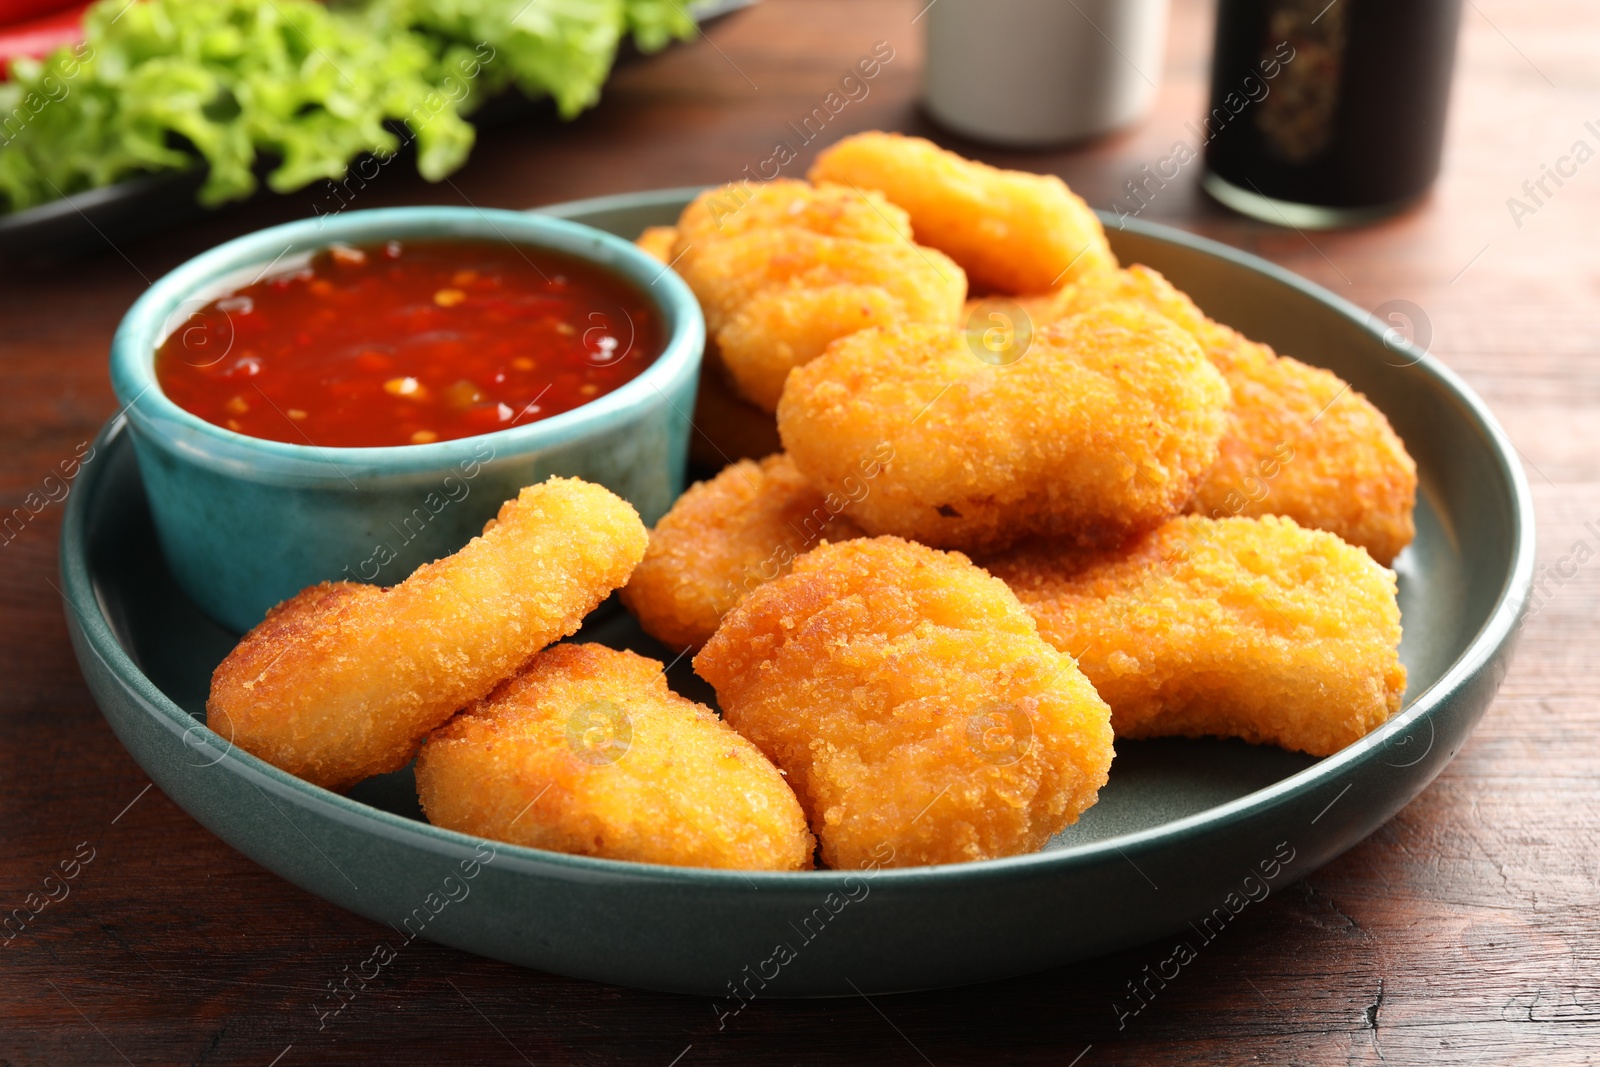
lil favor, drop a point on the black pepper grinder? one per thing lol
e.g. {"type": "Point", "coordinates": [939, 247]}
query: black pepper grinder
{"type": "Point", "coordinates": [1327, 113]}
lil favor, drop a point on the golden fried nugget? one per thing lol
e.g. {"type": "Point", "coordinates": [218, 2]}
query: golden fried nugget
{"type": "Point", "coordinates": [657, 242]}
{"type": "Point", "coordinates": [724, 538]}
{"type": "Point", "coordinates": [1300, 442]}
{"type": "Point", "coordinates": [343, 681]}
{"type": "Point", "coordinates": [1101, 429]}
{"type": "Point", "coordinates": [912, 703]}
{"type": "Point", "coordinates": [1303, 444]}
{"type": "Point", "coordinates": [774, 298]}
{"type": "Point", "coordinates": [1227, 349]}
{"type": "Point", "coordinates": [1250, 628]}
{"type": "Point", "coordinates": [1038, 308]}
{"type": "Point", "coordinates": [729, 211]}
{"type": "Point", "coordinates": [783, 268]}
{"type": "Point", "coordinates": [587, 751]}
{"type": "Point", "coordinates": [1013, 232]}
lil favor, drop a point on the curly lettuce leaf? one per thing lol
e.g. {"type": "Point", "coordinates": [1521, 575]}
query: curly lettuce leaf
{"type": "Point", "coordinates": [655, 24]}
{"type": "Point", "coordinates": [160, 85]}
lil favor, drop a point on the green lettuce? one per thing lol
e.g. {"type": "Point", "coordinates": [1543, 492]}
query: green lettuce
{"type": "Point", "coordinates": [293, 88]}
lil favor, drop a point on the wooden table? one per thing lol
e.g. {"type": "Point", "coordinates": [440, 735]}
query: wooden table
{"type": "Point", "coordinates": [1466, 931]}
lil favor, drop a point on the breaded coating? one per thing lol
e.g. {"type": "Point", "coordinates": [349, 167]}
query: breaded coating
{"type": "Point", "coordinates": [1039, 308]}
{"type": "Point", "coordinates": [587, 751]}
{"type": "Point", "coordinates": [724, 538]}
{"type": "Point", "coordinates": [657, 242]}
{"type": "Point", "coordinates": [1102, 429]}
{"type": "Point", "coordinates": [343, 681]}
{"type": "Point", "coordinates": [913, 705]}
{"type": "Point", "coordinates": [1303, 444]}
{"type": "Point", "coordinates": [1300, 443]}
{"type": "Point", "coordinates": [1227, 349]}
{"type": "Point", "coordinates": [1011, 231]}
{"type": "Point", "coordinates": [1250, 628]}
{"type": "Point", "coordinates": [729, 211]}
{"type": "Point", "coordinates": [784, 268]}
{"type": "Point", "coordinates": [774, 299]}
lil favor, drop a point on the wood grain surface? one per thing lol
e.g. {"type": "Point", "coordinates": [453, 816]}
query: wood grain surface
{"type": "Point", "coordinates": [1466, 931]}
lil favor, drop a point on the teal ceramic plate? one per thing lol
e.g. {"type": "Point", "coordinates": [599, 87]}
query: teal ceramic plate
{"type": "Point", "coordinates": [1186, 831]}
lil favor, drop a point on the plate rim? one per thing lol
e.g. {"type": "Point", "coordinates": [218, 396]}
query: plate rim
{"type": "Point", "coordinates": [1493, 637]}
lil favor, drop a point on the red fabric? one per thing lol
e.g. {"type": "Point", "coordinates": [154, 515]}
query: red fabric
{"type": "Point", "coordinates": [41, 34]}
{"type": "Point", "coordinates": [14, 12]}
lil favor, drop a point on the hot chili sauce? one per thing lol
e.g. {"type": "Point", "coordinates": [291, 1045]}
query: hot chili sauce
{"type": "Point", "coordinates": [409, 343]}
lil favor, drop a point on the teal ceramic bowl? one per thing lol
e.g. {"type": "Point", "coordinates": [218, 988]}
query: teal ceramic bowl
{"type": "Point", "coordinates": [244, 522]}
{"type": "Point", "coordinates": [1186, 831]}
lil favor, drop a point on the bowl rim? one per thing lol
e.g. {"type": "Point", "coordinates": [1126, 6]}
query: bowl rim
{"type": "Point", "coordinates": [1497, 629]}
{"type": "Point", "coordinates": [146, 405]}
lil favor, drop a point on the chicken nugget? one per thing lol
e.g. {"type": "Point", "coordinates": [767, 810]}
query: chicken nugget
{"type": "Point", "coordinates": [1227, 349]}
{"type": "Point", "coordinates": [1251, 628]}
{"type": "Point", "coordinates": [342, 681]}
{"type": "Point", "coordinates": [774, 298]}
{"type": "Point", "coordinates": [1011, 231]}
{"type": "Point", "coordinates": [730, 211]}
{"type": "Point", "coordinates": [1102, 429]}
{"type": "Point", "coordinates": [1300, 442]}
{"type": "Point", "coordinates": [913, 705]}
{"type": "Point", "coordinates": [724, 538]}
{"type": "Point", "coordinates": [657, 242]}
{"type": "Point", "coordinates": [587, 751]}
{"type": "Point", "coordinates": [1303, 444]}
{"type": "Point", "coordinates": [1038, 308]}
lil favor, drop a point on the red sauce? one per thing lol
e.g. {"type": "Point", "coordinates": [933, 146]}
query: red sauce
{"type": "Point", "coordinates": [409, 343]}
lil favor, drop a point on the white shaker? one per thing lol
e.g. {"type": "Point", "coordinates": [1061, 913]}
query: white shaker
{"type": "Point", "coordinates": [1038, 72]}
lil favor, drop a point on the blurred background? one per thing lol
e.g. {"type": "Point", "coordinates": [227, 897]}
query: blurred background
{"type": "Point", "coordinates": [1462, 932]}
{"type": "Point", "coordinates": [714, 108]}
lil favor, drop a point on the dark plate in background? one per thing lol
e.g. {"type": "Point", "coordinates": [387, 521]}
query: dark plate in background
{"type": "Point", "coordinates": [87, 221]}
